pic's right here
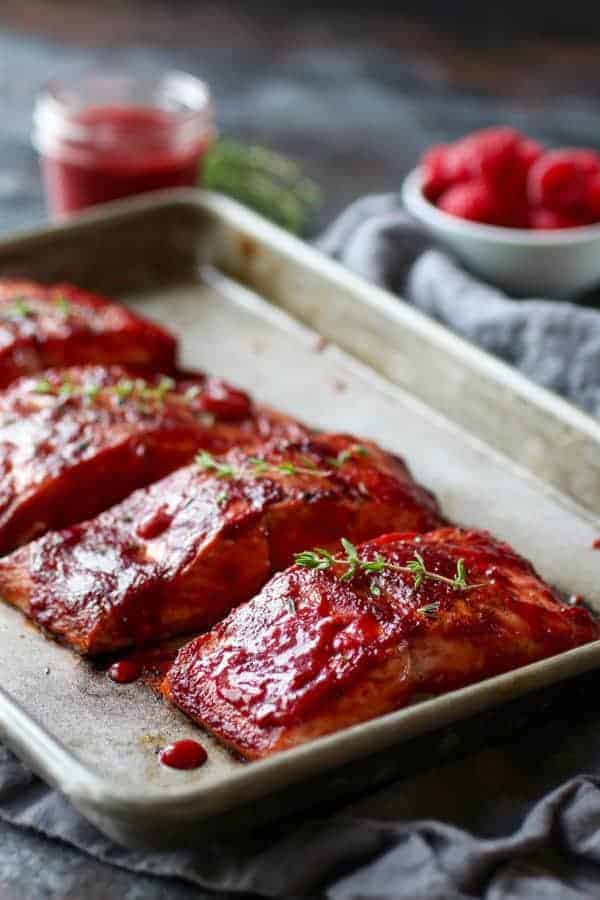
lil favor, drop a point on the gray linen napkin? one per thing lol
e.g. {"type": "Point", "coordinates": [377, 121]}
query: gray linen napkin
{"type": "Point", "coordinates": [555, 344]}
{"type": "Point", "coordinates": [519, 821]}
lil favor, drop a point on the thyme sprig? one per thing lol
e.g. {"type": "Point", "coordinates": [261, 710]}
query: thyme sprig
{"type": "Point", "coordinates": [123, 390]}
{"type": "Point", "coordinates": [259, 466]}
{"type": "Point", "coordinates": [21, 309]}
{"type": "Point", "coordinates": [320, 560]}
{"type": "Point", "coordinates": [344, 455]}
{"type": "Point", "coordinates": [266, 181]}
{"type": "Point", "coordinates": [263, 467]}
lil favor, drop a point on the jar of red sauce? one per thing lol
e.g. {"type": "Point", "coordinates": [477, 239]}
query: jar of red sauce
{"type": "Point", "coordinates": [110, 136]}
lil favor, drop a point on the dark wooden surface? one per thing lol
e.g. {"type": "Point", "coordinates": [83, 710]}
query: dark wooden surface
{"type": "Point", "coordinates": [355, 96]}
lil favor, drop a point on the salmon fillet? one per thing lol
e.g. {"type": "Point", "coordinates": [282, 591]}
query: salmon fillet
{"type": "Point", "coordinates": [314, 652]}
{"type": "Point", "coordinates": [60, 325]}
{"type": "Point", "coordinates": [178, 555]}
{"type": "Point", "coordinates": [76, 441]}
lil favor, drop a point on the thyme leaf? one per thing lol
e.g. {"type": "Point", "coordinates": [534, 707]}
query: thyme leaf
{"type": "Point", "coordinates": [20, 308]}
{"type": "Point", "coordinates": [344, 455]}
{"type": "Point", "coordinates": [66, 389]}
{"type": "Point", "coordinates": [43, 387]}
{"type": "Point", "coordinates": [209, 463]}
{"type": "Point", "coordinates": [124, 389]}
{"type": "Point", "coordinates": [91, 391]}
{"type": "Point", "coordinates": [63, 305]}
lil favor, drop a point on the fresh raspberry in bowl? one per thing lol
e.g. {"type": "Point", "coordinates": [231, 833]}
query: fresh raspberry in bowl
{"type": "Point", "coordinates": [523, 216]}
{"type": "Point", "coordinates": [500, 177]}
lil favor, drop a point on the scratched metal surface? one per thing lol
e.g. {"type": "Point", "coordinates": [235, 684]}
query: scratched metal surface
{"type": "Point", "coordinates": [108, 735]}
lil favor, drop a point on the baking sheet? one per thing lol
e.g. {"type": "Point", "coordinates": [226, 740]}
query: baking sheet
{"type": "Point", "coordinates": [104, 738]}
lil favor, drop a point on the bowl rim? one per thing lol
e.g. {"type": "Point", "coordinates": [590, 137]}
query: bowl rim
{"type": "Point", "coordinates": [418, 205]}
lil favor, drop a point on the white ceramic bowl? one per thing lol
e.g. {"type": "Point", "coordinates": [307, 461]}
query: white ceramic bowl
{"type": "Point", "coordinates": [559, 263]}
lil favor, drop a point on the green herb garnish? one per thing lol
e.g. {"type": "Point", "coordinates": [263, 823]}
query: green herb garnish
{"type": "Point", "coordinates": [91, 391]}
{"type": "Point", "coordinates": [20, 308]}
{"type": "Point", "coordinates": [263, 180]}
{"type": "Point", "coordinates": [320, 560]}
{"type": "Point", "coordinates": [43, 387]}
{"type": "Point", "coordinates": [344, 455]}
{"type": "Point", "coordinates": [66, 389]}
{"type": "Point", "coordinates": [262, 467]}
{"type": "Point", "coordinates": [63, 305]}
{"type": "Point", "coordinates": [258, 465]}
{"type": "Point", "coordinates": [209, 463]}
{"type": "Point", "coordinates": [124, 389]}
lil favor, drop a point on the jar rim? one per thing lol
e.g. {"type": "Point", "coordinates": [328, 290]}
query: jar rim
{"type": "Point", "coordinates": [186, 97]}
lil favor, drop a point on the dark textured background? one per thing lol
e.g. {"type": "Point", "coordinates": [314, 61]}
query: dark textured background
{"type": "Point", "coordinates": [355, 96]}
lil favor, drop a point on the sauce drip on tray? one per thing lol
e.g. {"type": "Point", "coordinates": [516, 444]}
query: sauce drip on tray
{"type": "Point", "coordinates": [125, 671]}
{"type": "Point", "coordinates": [184, 754]}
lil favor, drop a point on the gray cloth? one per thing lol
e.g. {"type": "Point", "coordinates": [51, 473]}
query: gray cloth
{"type": "Point", "coordinates": [555, 344]}
{"type": "Point", "coordinates": [517, 821]}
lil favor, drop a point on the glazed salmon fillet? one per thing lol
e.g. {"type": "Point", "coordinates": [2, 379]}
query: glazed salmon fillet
{"type": "Point", "coordinates": [178, 555]}
{"type": "Point", "coordinates": [60, 325]}
{"type": "Point", "coordinates": [75, 441]}
{"type": "Point", "coordinates": [328, 644]}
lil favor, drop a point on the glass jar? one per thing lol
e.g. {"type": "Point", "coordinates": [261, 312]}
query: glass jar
{"type": "Point", "coordinates": [110, 136]}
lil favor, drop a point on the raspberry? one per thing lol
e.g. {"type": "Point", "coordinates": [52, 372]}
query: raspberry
{"type": "Point", "coordinates": [435, 172]}
{"type": "Point", "coordinates": [487, 154]}
{"type": "Point", "coordinates": [558, 179]}
{"type": "Point", "coordinates": [547, 219]}
{"type": "Point", "coordinates": [528, 152]}
{"type": "Point", "coordinates": [498, 176]}
{"type": "Point", "coordinates": [592, 197]}
{"type": "Point", "coordinates": [513, 214]}
{"type": "Point", "coordinates": [473, 200]}
{"type": "Point", "coordinates": [511, 191]}
{"type": "Point", "coordinates": [588, 161]}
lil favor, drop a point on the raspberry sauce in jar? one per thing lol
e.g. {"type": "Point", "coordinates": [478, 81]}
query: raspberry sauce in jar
{"type": "Point", "coordinates": [109, 137]}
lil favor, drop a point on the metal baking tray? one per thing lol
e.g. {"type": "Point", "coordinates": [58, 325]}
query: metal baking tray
{"type": "Point", "coordinates": [249, 302]}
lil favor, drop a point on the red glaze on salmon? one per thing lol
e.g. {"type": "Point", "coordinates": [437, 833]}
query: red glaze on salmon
{"type": "Point", "coordinates": [312, 654]}
{"type": "Point", "coordinates": [60, 325]}
{"type": "Point", "coordinates": [178, 555]}
{"type": "Point", "coordinates": [75, 441]}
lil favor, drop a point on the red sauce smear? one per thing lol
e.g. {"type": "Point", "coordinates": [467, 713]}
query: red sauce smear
{"type": "Point", "coordinates": [184, 754]}
{"type": "Point", "coordinates": [125, 671]}
{"type": "Point", "coordinates": [596, 544]}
